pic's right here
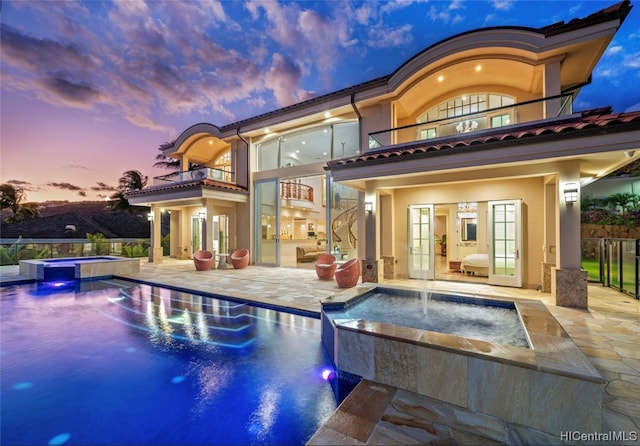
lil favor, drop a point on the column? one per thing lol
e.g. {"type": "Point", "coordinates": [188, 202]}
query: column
{"type": "Point", "coordinates": [155, 249]}
{"type": "Point", "coordinates": [370, 262]}
{"type": "Point", "coordinates": [568, 280]}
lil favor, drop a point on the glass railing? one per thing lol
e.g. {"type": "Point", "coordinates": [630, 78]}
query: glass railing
{"type": "Point", "coordinates": [613, 263]}
{"type": "Point", "coordinates": [473, 122]}
{"type": "Point", "coordinates": [12, 251]}
{"type": "Point", "coordinates": [197, 174]}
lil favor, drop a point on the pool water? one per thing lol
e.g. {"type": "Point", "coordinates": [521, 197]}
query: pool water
{"type": "Point", "coordinates": [487, 320]}
{"type": "Point", "coordinates": [120, 363]}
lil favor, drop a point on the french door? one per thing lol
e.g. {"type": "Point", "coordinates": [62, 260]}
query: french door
{"type": "Point", "coordinates": [505, 243]}
{"type": "Point", "coordinates": [267, 238]}
{"type": "Point", "coordinates": [421, 242]}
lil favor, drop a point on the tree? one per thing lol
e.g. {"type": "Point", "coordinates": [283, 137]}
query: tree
{"type": "Point", "coordinates": [131, 180]}
{"type": "Point", "coordinates": [167, 163]}
{"type": "Point", "coordinates": [28, 211]}
{"type": "Point", "coordinates": [11, 198]}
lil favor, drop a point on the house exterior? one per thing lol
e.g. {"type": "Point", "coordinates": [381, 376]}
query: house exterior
{"type": "Point", "coordinates": [474, 138]}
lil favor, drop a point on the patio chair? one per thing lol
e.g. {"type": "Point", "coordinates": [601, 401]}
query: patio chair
{"type": "Point", "coordinates": [326, 266]}
{"type": "Point", "coordinates": [240, 258]}
{"type": "Point", "coordinates": [348, 273]}
{"type": "Point", "coordinates": [203, 260]}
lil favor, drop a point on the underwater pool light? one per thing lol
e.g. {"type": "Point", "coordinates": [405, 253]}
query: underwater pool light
{"type": "Point", "coordinates": [327, 374]}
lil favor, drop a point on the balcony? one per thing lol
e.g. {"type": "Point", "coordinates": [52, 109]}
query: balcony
{"type": "Point", "coordinates": [471, 122]}
{"type": "Point", "coordinates": [204, 173]}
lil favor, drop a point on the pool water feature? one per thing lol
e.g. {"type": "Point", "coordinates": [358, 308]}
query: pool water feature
{"type": "Point", "coordinates": [533, 392]}
{"type": "Point", "coordinates": [116, 362]}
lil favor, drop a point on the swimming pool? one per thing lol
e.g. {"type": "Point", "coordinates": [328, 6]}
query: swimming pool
{"type": "Point", "coordinates": [116, 362]}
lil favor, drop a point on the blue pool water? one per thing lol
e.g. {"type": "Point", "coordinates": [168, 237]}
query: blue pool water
{"type": "Point", "coordinates": [119, 363]}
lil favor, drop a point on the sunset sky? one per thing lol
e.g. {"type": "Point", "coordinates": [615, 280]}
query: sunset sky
{"type": "Point", "coordinates": [91, 89]}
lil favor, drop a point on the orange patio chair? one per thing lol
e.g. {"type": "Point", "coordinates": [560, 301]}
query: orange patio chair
{"type": "Point", "coordinates": [203, 260]}
{"type": "Point", "coordinates": [326, 266]}
{"type": "Point", "coordinates": [348, 273]}
{"type": "Point", "coordinates": [240, 258]}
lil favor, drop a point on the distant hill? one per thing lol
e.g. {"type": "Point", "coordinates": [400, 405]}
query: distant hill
{"type": "Point", "coordinates": [75, 220]}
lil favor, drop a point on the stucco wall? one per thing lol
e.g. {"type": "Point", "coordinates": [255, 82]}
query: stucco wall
{"type": "Point", "coordinates": [530, 190]}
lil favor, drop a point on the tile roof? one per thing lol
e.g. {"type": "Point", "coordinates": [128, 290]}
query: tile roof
{"type": "Point", "coordinates": [588, 123]}
{"type": "Point", "coordinates": [204, 183]}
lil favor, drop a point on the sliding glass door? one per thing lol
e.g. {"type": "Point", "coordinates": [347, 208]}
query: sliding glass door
{"type": "Point", "coordinates": [267, 238]}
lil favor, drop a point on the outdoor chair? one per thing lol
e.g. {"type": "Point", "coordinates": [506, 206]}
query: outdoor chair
{"type": "Point", "coordinates": [203, 260]}
{"type": "Point", "coordinates": [240, 258]}
{"type": "Point", "coordinates": [326, 266]}
{"type": "Point", "coordinates": [348, 273]}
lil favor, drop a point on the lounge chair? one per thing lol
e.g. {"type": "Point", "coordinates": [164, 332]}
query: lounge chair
{"type": "Point", "coordinates": [203, 260]}
{"type": "Point", "coordinates": [348, 273]}
{"type": "Point", "coordinates": [326, 266]}
{"type": "Point", "coordinates": [240, 258]}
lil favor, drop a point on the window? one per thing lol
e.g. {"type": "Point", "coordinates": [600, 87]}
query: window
{"type": "Point", "coordinates": [309, 145]}
{"type": "Point", "coordinates": [428, 133]}
{"type": "Point", "coordinates": [465, 104]}
{"type": "Point", "coordinates": [500, 120]}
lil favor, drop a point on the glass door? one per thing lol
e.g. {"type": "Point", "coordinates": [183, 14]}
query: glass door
{"type": "Point", "coordinates": [198, 232]}
{"type": "Point", "coordinates": [421, 242]}
{"type": "Point", "coordinates": [505, 243]}
{"type": "Point", "coordinates": [267, 237]}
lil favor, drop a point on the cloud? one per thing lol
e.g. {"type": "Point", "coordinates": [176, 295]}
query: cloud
{"type": "Point", "coordinates": [19, 183]}
{"type": "Point", "coordinates": [103, 187]}
{"type": "Point", "coordinates": [387, 37]}
{"type": "Point", "coordinates": [445, 15]}
{"type": "Point", "coordinates": [65, 186]}
{"type": "Point", "coordinates": [284, 80]}
{"type": "Point", "coordinates": [502, 5]}
{"type": "Point", "coordinates": [76, 166]}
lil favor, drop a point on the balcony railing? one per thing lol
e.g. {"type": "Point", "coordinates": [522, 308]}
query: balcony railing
{"type": "Point", "coordinates": [197, 174]}
{"type": "Point", "coordinates": [472, 122]}
{"type": "Point", "coordinates": [290, 190]}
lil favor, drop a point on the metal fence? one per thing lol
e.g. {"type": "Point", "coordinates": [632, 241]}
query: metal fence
{"type": "Point", "coordinates": [14, 250]}
{"type": "Point", "coordinates": [613, 262]}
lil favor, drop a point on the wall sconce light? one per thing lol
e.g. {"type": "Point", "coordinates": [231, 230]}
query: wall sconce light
{"type": "Point", "coordinates": [368, 207]}
{"type": "Point", "coordinates": [202, 215]}
{"type": "Point", "coordinates": [150, 216]}
{"type": "Point", "coordinates": [570, 193]}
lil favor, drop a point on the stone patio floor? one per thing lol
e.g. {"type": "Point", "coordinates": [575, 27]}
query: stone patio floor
{"type": "Point", "coordinates": [608, 333]}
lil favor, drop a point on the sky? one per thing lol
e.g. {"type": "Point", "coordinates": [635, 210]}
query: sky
{"type": "Point", "coordinates": [91, 89]}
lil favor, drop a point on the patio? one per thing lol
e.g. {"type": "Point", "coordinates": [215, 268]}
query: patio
{"type": "Point", "coordinates": [607, 334]}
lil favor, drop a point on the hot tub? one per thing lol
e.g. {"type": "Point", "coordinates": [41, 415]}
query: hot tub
{"type": "Point", "coordinates": [79, 268]}
{"type": "Point", "coordinates": [547, 386]}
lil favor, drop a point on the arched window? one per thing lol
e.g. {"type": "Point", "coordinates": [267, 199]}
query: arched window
{"type": "Point", "coordinates": [466, 113]}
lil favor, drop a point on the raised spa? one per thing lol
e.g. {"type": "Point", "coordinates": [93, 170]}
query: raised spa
{"type": "Point", "coordinates": [78, 268]}
{"type": "Point", "coordinates": [466, 316]}
{"type": "Point", "coordinates": [546, 386]}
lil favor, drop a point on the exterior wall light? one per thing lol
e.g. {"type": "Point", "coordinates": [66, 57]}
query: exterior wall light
{"type": "Point", "coordinates": [570, 193]}
{"type": "Point", "coordinates": [368, 207]}
{"type": "Point", "coordinates": [150, 216]}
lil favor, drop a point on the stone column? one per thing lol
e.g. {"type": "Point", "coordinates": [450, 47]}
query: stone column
{"type": "Point", "coordinates": [569, 286]}
{"type": "Point", "coordinates": [370, 271]}
{"type": "Point", "coordinates": [389, 267]}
